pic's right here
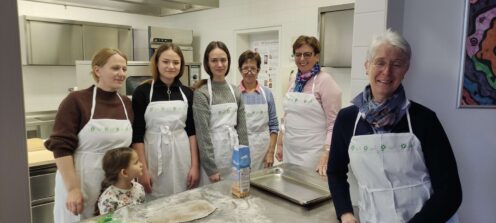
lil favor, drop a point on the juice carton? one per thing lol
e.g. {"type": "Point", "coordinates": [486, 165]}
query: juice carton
{"type": "Point", "coordinates": [240, 172]}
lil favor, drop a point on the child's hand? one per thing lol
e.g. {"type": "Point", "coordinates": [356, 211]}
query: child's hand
{"type": "Point", "coordinates": [146, 181]}
{"type": "Point", "coordinates": [74, 201]}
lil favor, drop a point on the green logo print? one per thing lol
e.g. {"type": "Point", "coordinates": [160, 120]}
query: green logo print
{"type": "Point", "coordinates": [403, 146]}
{"type": "Point", "coordinates": [383, 147]}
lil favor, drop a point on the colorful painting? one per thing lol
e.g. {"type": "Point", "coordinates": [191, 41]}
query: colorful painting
{"type": "Point", "coordinates": [478, 84]}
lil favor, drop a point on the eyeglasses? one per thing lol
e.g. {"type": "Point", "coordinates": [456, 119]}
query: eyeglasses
{"type": "Point", "coordinates": [305, 55]}
{"type": "Point", "coordinates": [395, 65]}
{"type": "Point", "coordinates": [246, 70]}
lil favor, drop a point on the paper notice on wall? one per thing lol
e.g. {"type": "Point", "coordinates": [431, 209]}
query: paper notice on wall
{"type": "Point", "coordinates": [269, 53]}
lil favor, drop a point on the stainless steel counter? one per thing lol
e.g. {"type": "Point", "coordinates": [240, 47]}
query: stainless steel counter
{"type": "Point", "coordinates": [259, 207]}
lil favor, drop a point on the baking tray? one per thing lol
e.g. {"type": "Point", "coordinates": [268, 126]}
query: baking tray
{"type": "Point", "coordinates": [293, 182]}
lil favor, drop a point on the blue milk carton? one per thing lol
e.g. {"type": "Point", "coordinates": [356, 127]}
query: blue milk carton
{"type": "Point", "coordinates": [240, 172]}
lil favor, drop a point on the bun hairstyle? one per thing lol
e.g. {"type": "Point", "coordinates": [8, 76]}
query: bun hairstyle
{"type": "Point", "coordinates": [101, 57]}
{"type": "Point", "coordinates": [211, 46]}
{"type": "Point", "coordinates": [113, 162]}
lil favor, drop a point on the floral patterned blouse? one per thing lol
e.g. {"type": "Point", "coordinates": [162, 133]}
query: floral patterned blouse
{"type": "Point", "coordinates": [114, 198]}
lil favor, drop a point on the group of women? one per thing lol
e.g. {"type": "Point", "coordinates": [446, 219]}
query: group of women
{"type": "Point", "coordinates": [184, 137]}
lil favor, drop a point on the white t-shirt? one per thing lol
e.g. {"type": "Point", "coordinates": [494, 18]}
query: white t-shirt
{"type": "Point", "coordinates": [114, 198]}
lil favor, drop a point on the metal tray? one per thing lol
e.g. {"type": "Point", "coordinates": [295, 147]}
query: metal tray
{"type": "Point", "coordinates": [293, 182]}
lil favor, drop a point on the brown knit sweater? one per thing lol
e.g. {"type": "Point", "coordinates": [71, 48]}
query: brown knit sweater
{"type": "Point", "coordinates": [75, 111]}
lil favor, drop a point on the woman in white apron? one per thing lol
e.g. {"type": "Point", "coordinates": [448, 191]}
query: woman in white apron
{"type": "Point", "coordinates": [310, 107]}
{"type": "Point", "coordinates": [397, 149]}
{"type": "Point", "coordinates": [88, 123]}
{"type": "Point", "coordinates": [260, 110]}
{"type": "Point", "coordinates": [219, 115]}
{"type": "Point", "coordinates": [163, 129]}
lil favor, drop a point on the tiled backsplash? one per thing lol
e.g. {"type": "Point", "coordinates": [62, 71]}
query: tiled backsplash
{"type": "Point", "coordinates": [46, 86]}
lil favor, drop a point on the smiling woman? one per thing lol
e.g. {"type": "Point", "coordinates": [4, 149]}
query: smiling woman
{"type": "Point", "coordinates": [310, 107]}
{"type": "Point", "coordinates": [219, 115]}
{"type": "Point", "coordinates": [88, 123]}
{"type": "Point", "coordinates": [260, 109]}
{"type": "Point", "coordinates": [394, 146]}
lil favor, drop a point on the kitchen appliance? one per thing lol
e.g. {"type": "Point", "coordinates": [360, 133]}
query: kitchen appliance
{"type": "Point", "coordinates": [183, 38]}
{"type": "Point", "coordinates": [292, 182]}
{"type": "Point", "coordinates": [137, 72]}
{"type": "Point", "coordinates": [42, 180]}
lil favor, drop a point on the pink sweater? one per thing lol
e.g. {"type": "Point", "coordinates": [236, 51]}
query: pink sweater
{"type": "Point", "coordinates": [328, 94]}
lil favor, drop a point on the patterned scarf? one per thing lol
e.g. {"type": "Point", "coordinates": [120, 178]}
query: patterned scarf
{"type": "Point", "coordinates": [383, 116]}
{"type": "Point", "coordinates": [301, 79]}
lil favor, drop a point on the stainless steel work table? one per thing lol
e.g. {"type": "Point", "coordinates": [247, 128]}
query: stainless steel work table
{"type": "Point", "coordinates": [260, 206]}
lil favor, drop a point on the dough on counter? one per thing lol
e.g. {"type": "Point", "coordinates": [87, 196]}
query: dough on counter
{"type": "Point", "coordinates": [184, 212]}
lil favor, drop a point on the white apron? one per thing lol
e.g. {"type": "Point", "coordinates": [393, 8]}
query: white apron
{"type": "Point", "coordinates": [167, 145]}
{"type": "Point", "coordinates": [257, 123]}
{"type": "Point", "coordinates": [305, 128]}
{"type": "Point", "coordinates": [393, 181]}
{"type": "Point", "coordinates": [223, 119]}
{"type": "Point", "coordinates": [95, 138]}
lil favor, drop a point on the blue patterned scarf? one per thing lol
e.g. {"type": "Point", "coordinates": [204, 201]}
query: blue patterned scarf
{"type": "Point", "coordinates": [383, 116]}
{"type": "Point", "coordinates": [301, 79]}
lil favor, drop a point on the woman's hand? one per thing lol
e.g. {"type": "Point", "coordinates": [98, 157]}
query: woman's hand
{"type": "Point", "coordinates": [321, 167]}
{"type": "Point", "coordinates": [269, 159]}
{"type": "Point", "coordinates": [348, 218]}
{"type": "Point", "coordinates": [193, 177]}
{"type": "Point", "coordinates": [146, 180]}
{"type": "Point", "coordinates": [214, 178]}
{"type": "Point", "coordinates": [74, 201]}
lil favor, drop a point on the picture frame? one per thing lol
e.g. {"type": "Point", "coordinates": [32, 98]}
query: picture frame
{"type": "Point", "coordinates": [478, 62]}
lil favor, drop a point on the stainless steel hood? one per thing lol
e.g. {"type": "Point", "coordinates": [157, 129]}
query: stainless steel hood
{"type": "Point", "coordinates": [145, 7]}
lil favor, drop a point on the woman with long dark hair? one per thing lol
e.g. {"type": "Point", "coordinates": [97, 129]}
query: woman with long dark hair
{"type": "Point", "coordinates": [219, 114]}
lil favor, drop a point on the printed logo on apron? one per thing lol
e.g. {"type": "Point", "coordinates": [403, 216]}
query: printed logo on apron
{"type": "Point", "coordinates": [95, 138]}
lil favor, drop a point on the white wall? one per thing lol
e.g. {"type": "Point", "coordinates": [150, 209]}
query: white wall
{"type": "Point", "coordinates": [434, 29]}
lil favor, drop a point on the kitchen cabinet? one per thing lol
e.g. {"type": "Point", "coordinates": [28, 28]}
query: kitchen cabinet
{"type": "Point", "coordinates": [62, 42]}
{"type": "Point", "coordinates": [97, 37]}
{"type": "Point", "coordinates": [51, 43]}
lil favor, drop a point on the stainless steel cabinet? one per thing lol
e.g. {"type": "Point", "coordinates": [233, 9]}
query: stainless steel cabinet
{"type": "Point", "coordinates": [54, 43]}
{"type": "Point", "coordinates": [97, 37]}
{"type": "Point", "coordinates": [336, 35]}
{"type": "Point", "coordinates": [42, 181]}
{"type": "Point", "coordinates": [61, 42]}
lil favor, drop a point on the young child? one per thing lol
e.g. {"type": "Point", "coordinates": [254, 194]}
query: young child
{"type": "Point", "coordinates": [121, 166]}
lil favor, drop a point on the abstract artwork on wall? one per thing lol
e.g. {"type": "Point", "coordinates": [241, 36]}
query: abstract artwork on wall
{"type": "Point", "coordinates": [478, 81]}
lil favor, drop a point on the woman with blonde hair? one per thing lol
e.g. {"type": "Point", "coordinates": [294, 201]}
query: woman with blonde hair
{"type": "Point", "coordinates": [88, 123]}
